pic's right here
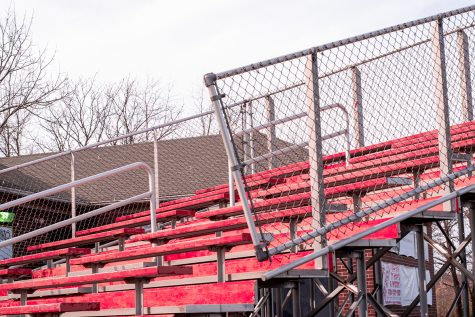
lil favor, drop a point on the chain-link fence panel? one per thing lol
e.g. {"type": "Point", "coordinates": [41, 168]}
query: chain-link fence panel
{"type": "Point", "coordinates": [335, 139]}
{"type": "Point", "coordinates": [186, 156]}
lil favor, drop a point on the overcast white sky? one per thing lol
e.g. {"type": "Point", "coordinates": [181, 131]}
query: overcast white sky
{"type": "Point", "coordinates": [178, 41]}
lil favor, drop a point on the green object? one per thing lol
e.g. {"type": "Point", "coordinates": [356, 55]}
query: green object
{"type": "Point", "coordinates": [6, 216]}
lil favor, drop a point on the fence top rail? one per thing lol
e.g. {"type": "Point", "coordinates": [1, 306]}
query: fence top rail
{"type": "Point", "coordinates": [95, 145]}
{"type": "Point", "coordinates": [350, 40]}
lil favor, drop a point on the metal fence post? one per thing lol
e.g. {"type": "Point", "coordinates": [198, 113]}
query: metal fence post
{"type": "Point", "coordinates": [155, 168]}
{"type": "Point", "coordinates": [465, 80]}
{"type": "Point", "coordinates": [315, 152]}
{"type": "Point", "coordinates": [442, 104]}
{"type": "Point", "coordinates": [358, 128]}
{"type": "Point", "coordinates": [271, 138]}
{"type": "Point", "coordinates": [232, 195]}
{"type": "Point", "coordinates": [216, 99]}
{"type": "Point", "coordinates": [73, 195]}
{"type": "Point", "coordinates": [252, 149]}
{"type": "Point", "coordinates": [245, 136]}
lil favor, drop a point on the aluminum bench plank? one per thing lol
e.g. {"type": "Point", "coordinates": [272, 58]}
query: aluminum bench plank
{"type": "Point", "coordinates": [148, 272]}
{"type": "Point", "coordinates": [43, 256]}
{"type": "Point", "coordinates": [139, 221]}
{"type": "Point", "coordinates": [193, 204]}
{"type": "Point", "coordinates": [89, 239]}
{"type": "Point", "coordinates": [49, 308]}
{"type": "Point", "coordinates": [179, 247]}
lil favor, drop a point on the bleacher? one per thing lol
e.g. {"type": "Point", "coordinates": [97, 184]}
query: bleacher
{"type": "Point", "coordinates": [202, 260]}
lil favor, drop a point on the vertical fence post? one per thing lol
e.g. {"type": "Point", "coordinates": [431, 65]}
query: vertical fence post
{"type": "Point", "coordinates": [245, 137]}
{"type": "Point", "coordinates": [442, 104]}
{"type": "Point", "coordinates": [232, 195]}
{"type": "Point", "coordinates": [315, 152]}
{"type": "Point", "coordinates": [73, 195]}
{"type": "Point", "coordinates": [465, 81]}
{"type": "Point", "coordinates": [216, 99]}
{"type": "Point", "coordinates": [252, 150]}
{"type": "Point", "coordinates": [271, 138]}
{"type": "Point", "coordinates": [155, 168]}
{"type": "Point", "coordinates": [358, 128]}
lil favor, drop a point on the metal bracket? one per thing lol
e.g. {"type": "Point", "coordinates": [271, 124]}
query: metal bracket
{"type": "Point", "coordinates": [217, 97]}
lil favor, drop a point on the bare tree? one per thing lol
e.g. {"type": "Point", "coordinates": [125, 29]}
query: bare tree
{"type": "Point", "coordinates": [25, 83]}
{"type": "Point", "coordinates": [12, 138]}
{"type": "Point", "coordinates": [202, 105]}
{"type": "Point", "coordinates": [137, 106]}
{"type": "Point", "coordinates": [447, 236]}
{"type": "Point", "coordinates": [93, 112]}
{"type": "Point", "coordinates": [79, 119]}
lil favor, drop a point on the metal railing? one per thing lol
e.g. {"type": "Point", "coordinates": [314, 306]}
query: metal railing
{"type": "Point", "coordinates": [74, 184]}
{"type": "Point", "coordinates": [271, 153]}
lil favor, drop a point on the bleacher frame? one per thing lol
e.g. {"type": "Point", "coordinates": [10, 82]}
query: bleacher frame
{"type": "Point", "coordinates": [211, 250]}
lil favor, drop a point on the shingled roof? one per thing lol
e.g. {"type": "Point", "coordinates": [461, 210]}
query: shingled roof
{"type": "Point", "coordinates": [184, 165]}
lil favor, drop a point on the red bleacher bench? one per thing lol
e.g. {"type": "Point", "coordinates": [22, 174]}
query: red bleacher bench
{"type": "Point", "coordinates": [220, 226]}
{"type": "Point", "coordinates": [136, 276]}
{"type": "Point", "coordinates": [89, 239]}
{"type": "Point", "coordinates": [137, 221]}
{"type": "Point", "coordinates": [188, 205]}
{"type": "Point", "coordinates": [67, 254]}
{"type": "Point", "coordinates": [218, 244]}
{"type": "Point", "coordinates": [170, 248]}
{"type": "Point", "coordinates": [42, 309]}
{"type": "Point", "coordinates": [148, 272]}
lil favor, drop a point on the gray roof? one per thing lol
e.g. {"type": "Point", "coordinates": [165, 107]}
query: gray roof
{"type": "Point", "coordinates": [184, 165]}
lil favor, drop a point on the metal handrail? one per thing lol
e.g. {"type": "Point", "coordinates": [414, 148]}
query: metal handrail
{"type": "Point", "coordinates": [61, 188]}
{"type": "Point", "coordinates": [358, 216]}
{"type": "Point", "coordinates": [345, 132]}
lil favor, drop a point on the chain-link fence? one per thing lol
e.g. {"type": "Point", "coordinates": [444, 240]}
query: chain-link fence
{"type": "Point", "coordinates": [338, 131]}
{"type": "Point", "coordinates": [186, 155]}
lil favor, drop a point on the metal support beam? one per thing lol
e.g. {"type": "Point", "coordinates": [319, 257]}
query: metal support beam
{"type": "Point", "coordinates": [23, 297]}
{"type": "Point", "coordinates": [121, 244]}
{"type": "Point", "coordinates": [421, 263]}
{"type": "Point", "coordinates": [361, 279]}
{"type": "Point", "coordinates": [315, 153]}
{"type": "Point", "coordinates": [437, 276]}
{"type": "Point", "coordinates": [296, 300]}
{"type": "Point", "coordinates": [271, 136]}
{"type": "Point", "coordinates": [139, 304]}
{"type": "Point", "coordinates": [463, 257]}
{"type": "Point", "coordinates": [442, 105]}
{"type": "Point", "coordinates": [472, 234]}
{"type": "Point", "coordinates": [278, 303]}
{"type": "Point", "coordinates": [221, 264]}
{"type": "Point", "coordinates": [378, 282]}
{"type": "Point", "coordinates": [358, 127]}
{"type": "Point", "coordinates": [465, 80]}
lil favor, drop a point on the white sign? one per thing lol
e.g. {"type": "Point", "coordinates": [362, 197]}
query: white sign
{"type": "Point", "coordinates": [400, 284]}
{"type": "Point", "coordinates": [391, 283]}
{"type": "Point", "coordinates": [5, 234]}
